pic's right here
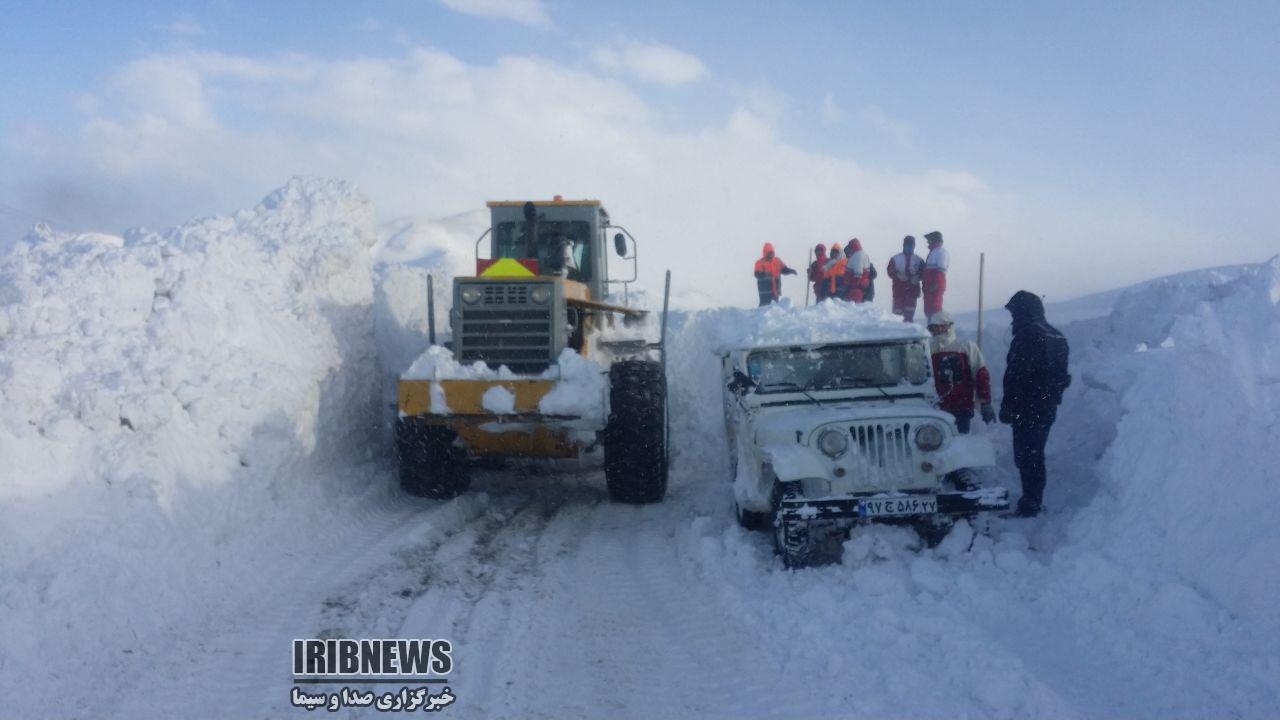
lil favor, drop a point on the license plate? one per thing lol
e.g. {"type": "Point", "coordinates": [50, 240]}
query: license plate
{"type": "Point", "coordinates": [906, 505]}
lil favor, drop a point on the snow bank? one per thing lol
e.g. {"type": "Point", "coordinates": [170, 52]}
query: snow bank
{"type": "Point", "coordinates": [169, 404]}
{"type": "Point", "coordinates": [1194, 458]}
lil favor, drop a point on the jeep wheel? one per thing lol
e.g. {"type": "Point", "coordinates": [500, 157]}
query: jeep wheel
{"type": "Point", "coordinates": [792, 540]}
{"type": "Point", "coordinates": [635, 438]}
{"type": "Point", "coordinates": [933, 530]}
{"type": "Point", "coordinates": [752, 520]}
{"type": "Point", "coordinates": [430, 464]}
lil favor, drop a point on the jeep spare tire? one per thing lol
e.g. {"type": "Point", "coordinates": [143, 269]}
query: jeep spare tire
{"type": "Point", "coordinates": [635, 438]}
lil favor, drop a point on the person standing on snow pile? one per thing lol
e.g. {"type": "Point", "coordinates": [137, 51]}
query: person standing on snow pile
{"type": "Point", "coordinates": [1035, 377]}
{"type": "Point", "coordinates": [769, 270]}
{"type": "Point", "coordinates": [816, 273]}
{"type": "Point", "coordinates": [959, 373]}
{"type": "Point", "coordinates": [857, 271]}
{"type": "Point", "coordinates": [934, 277]}
{"type": "Point", "coordinates": [905, 270]}
{"type": "Point", "coordinates": [834, 272]}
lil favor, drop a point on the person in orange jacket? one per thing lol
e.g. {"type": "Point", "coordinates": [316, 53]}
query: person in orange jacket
{"type": "Point", "coordinates": [833, 271]}
{"type": "Point", "coordinates": [934, 278]}
{"type": "Point", "coordinates": [857, 271]}
{"type": "Point", "coordinates": [815, 273]}
{"type": "Point", "coordinates": [769, 269]}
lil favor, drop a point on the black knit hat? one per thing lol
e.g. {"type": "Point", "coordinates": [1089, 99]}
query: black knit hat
{"type": "Point", "coordinates": [909, 239]}
{"type": "Point", "coordinates": [933, 237]}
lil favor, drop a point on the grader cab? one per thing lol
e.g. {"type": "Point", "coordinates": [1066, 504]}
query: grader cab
{"type": "Point", "coordinates": [543, 290]}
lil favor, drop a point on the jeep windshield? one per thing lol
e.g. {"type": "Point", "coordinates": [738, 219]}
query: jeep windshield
{"type": "Point", "coordinates": [838, 367]}
{"type": "Point", "coordinates": [511, 241]}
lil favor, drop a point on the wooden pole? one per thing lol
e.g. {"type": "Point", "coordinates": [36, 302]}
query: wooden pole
{"type": "Point", "coordinates": [982, 266]}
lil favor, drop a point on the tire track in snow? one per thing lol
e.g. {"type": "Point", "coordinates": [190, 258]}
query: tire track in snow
{"type": "Point", "coordinates": [241, 668]}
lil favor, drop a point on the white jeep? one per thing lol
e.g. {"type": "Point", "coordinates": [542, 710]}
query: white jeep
{"type": "Point", "coordinates": [828, 436]}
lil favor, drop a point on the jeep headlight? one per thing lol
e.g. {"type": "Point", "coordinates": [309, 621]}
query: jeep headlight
{"type": "Point", "coordinates": [471, 295]}
{"type": "Point", "coordinates": [540, 294]}
{"type": "Point", "coordinates": [833, 443]}
{"type": "Point", "coordinates": [929, 437]}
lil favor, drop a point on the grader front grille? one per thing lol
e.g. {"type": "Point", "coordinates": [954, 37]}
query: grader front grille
{"type": "Point", "coordinates": [506, 328]}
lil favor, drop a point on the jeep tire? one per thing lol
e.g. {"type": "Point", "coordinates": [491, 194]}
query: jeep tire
{"type": "Point", "coordinates": [792, 540]}
{"type": "Point", "coordinates": [635, 438]}
{"type": "Point", "coordinates": [751, 519]}
{"type": "Point", "coordinates": [431, 464]}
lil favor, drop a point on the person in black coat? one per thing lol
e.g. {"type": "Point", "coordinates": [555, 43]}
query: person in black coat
{"type": "Point", "coordinates": [1035, 377]}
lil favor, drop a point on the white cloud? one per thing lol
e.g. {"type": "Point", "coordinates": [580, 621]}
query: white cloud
{"type": "Point", "coordinates": [875, 116]}
{"type": "Point", "coordinates": [533, 13]}
{"type": "Point", "coordinates": [650, 61]}
{"type": "Point", "coordinates": [832, 114]}
{"type": "Point", "coordinates": [170, 136]}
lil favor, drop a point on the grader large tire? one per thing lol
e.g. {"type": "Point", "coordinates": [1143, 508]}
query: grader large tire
{"type": "Point", "coordinates": [430, 464]}
{"type": "Point", "coordinates": [635, 438]}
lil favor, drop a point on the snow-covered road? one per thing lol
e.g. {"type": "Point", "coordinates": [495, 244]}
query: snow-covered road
{"type": "Point", "coordinates": [561, 604]}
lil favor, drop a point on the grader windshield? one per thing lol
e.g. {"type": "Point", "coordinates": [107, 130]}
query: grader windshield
{"type": "Point", "coordinates": [511, 240]}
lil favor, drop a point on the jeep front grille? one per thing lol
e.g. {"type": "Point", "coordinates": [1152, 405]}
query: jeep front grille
{"type": "Point", "coordinates": [506, 328]}
{"type": "Point", "coordinates": [885, 448]}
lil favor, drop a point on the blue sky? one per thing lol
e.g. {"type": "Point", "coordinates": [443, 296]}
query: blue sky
{"type": "Point", "coordinates": [1085, 125]}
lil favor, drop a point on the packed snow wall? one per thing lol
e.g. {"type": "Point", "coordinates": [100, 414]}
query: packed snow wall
{"type": "Point", "coordinates": [1166, 442]}
{"type": "Point", "coordinates": [170, 404]}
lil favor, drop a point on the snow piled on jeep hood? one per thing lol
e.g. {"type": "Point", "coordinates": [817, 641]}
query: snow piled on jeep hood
{"type": "Point", "coordinates": [783, 324]}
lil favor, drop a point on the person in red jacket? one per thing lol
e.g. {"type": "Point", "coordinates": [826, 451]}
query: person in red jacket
{"type": "Point", "coordinates": [905, 269]}
{"type": "Point", "coordinates": [815, 273]}
{"type": "Point", "coordinates": [768, 272]}
{"type": "Point", "coordinates": [959, 373]}
{"type": "Point", "coordinates": [934, 278]}
{"type": "Point", "coordinates": [857, 271]}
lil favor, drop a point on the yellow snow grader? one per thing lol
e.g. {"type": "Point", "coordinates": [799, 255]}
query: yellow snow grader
{"type": "Point", "coordinates": [544, 287]}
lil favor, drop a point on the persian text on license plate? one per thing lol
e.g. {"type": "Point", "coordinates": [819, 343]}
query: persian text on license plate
{"type": "Point", "coordinates": [907, 505]}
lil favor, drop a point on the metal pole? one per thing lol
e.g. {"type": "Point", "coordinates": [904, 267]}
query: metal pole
{"type": "Point", "coordinates": [982, 266]}
{"type": "Point", "coordinates": [808, 264]}
{"type": "Point", "coordinates": [666, 298]}
{"type": "Point", "coordinates": [666, 414]}
{"type": "Point", "coordinates": [431, 309]}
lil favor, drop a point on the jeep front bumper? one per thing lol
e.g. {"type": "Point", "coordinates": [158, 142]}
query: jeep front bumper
{"type": "Point", "coordinates": [894, 505]}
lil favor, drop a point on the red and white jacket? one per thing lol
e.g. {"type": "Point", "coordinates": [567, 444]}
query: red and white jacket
{"type": "Point", "coordinates": [959, 373]}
